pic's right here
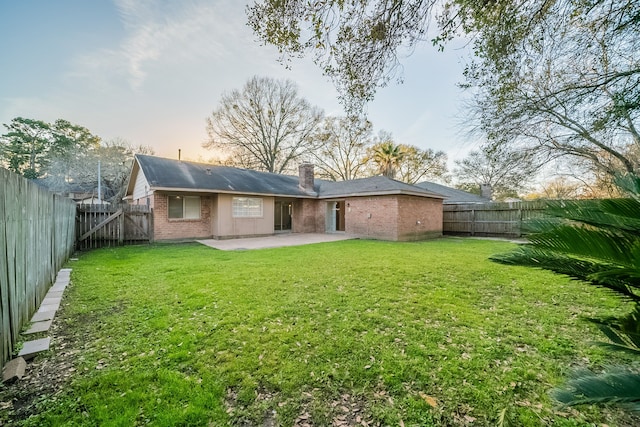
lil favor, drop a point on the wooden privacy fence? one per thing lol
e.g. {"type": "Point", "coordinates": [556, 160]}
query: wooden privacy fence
{"type": "Point", "coordinates": [489, 219]}
{"type": "Point", "coordinates": [37, 233]}
{"type": "Point", "coordinates": [99, 226]}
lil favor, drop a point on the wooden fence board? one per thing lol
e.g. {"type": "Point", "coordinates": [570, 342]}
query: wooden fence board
{"type": "Point", "coordinates": [5, 324]}
{"type": "Point", "coordinates": [490, 219]}
{"type": "Point", "coordinates": [30, 254]}
{"type": "Point", "coordinates": [100, 226]}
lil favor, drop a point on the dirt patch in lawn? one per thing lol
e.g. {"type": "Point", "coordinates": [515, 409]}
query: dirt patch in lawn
{"type": "Point", "coordinates": [45, 377]}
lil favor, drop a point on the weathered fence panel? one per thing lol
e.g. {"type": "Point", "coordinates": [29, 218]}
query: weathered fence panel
{"type": "Point", "coordinates": [37, 233]}
{"type": "Point", "coordinates": [99, 226]}
{"type": "Point", "coordinates": [489, 219]}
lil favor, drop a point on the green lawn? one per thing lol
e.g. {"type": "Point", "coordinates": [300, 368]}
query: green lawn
{"type": "Point", "coordinates": [346, 333]}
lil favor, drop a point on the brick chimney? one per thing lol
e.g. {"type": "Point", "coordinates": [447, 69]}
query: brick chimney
{"type": "Point", "coordinates": [486, 191]}
{"type": "Point", "coordinates": [305, 177]}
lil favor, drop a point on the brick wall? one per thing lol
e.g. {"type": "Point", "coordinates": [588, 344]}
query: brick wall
{"type": "Point", "coordinates": [372, 217]}
{"type": "Point", "coordinates": [419, 218]}
{"type": "Point", "coordinates": [396, 217]}
{"type": "Point", "coordinates": [307, 216]}
{"type": "Point", "coordinates": [165, 228]}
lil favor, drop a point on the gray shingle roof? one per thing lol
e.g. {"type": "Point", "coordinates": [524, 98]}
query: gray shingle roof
{"type": "Point", "coordinates": [174, 174]}
{"type": "Point", "coordinates": [170, 174]}
{"type": "Point", "coordinates": [451, 195]}
{"type": "Point", "coordinates": [373, 185]}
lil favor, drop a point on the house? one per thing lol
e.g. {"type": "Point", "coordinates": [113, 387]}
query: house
{"type": "Point", "coordinates": [193, 200]}
{"type": "Point", "coordinates": [93, 200]}
{"type": "Point", "coordinates": [452, 196]}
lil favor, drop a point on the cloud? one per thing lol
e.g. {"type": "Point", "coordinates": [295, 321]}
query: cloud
{"type": "Point", "coordinates": [157, 33]}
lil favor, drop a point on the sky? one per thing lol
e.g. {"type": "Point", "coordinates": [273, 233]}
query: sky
{"type": "Point", "coordinates": [151, 71]}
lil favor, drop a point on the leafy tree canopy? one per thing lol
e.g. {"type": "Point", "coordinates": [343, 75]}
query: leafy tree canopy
{"type": "Point", "coordinates": [406, 163]}
{"type": "Point", "coordinates": [64, 156]}
{"type": "Point", "coordinates": [29, 145]}
{"type": "Point", "coordinates": [354, 42]}
{"type": "Point", "coordinates": [561, 78]}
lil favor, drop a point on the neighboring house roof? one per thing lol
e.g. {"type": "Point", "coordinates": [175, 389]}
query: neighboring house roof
{"type": "Point", "coordinates": [452, 195]}
{"type": "Point", "coordinates": [175, 175]}
{"type": "Point", "coordinates": [92, 201]}
{"type": "Point", "coordinates": [374, 185]}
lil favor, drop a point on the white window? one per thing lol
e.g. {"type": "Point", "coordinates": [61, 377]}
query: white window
{"type": "Point", "coordinates": [247, 207]}
{"type": "Point", "coordinates": [184, 207]}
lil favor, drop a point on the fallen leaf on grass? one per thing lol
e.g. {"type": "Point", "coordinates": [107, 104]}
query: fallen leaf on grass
{"type": "Point", "coordinates": [431, 401]}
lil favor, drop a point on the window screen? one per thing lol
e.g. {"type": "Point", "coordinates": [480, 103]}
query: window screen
{"type": "Point", "coordinates": [175, 207]}
{"type": "Point", "coordinates": [192, 207]}
{"type": "Point", "coordinates": [247, 207]}
{"type": "Point", "coordinates": [187, 207]}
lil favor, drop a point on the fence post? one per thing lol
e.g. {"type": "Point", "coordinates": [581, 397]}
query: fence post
{"type": "Point", "coordinates": [473, 222]}
{"type": "Point", "coordinates": [520, 222]}
{"type": "Point", "coordinates": [121, 228]}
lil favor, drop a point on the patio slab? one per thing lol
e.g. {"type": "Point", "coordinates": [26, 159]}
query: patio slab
{"type": "Point", "coordinates": [275, 241]}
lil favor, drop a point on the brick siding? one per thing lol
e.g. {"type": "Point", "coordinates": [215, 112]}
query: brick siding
{"type": "Point", "coordinates": [174, 229]}
{"type": "Point", "coordinates": [419, 218]}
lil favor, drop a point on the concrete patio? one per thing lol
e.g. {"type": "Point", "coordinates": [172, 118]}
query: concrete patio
{"type": "Point", "coordinates": [275, 241]}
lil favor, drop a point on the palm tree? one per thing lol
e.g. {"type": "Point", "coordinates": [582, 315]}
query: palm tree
{"type": "Point", "coordinates": [596, 241]}
{"type": "Point", "coordinates": [387, 156]}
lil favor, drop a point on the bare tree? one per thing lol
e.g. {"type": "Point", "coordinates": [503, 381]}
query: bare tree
{"type": "Point", "coordinates": [507, 171]}
{"type": "Point", "coordinates": [419, 165]}
{"type": "Point", "coordinates": [343, 146]}
{"type": "Point", "coordinates": [570, 85]}
{"type": "Point", "coordinates": [80, 171]}
{"type": "Point", "coordinates": [265, 126]}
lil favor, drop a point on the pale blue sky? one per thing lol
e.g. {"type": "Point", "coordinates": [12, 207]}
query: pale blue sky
{"type": "Point", "coordinates": [151, 71]}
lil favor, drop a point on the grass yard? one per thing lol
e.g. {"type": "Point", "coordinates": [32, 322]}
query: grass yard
{"type": "Point", "coordinates": [344, 334]}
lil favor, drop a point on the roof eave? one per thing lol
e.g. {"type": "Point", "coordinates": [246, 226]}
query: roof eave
{"type": "Point", "coordinates": [216, 191]}
{"type": "Point", "coordinates": [382, 193]}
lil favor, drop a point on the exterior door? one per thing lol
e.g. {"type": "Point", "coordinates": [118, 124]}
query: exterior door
{"type": "Point", "coordinates": [282, 215]}
{"type": "Point", "coordinates": [340, 215]}
{"type": "Point", "coordinates": [335, 219]}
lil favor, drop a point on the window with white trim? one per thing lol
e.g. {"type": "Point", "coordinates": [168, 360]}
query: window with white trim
{"type": "Point", "coordinates": [184, 207]}
{"type": "Point", "coordinates": [247, 207]}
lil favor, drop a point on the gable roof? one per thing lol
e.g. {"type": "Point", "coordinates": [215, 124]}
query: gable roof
{"type": "Point", "coordinates": [452, 195]}
{"type": "Point", "coordinates": [175, 175]}
{"type": "Point", "coordinates": [170, 174]}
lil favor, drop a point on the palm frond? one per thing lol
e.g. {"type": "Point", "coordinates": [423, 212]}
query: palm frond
{"type": "Point", "coordinates": [576, 268]}
{"type": "Point", "coordinates": [597, 242]}
{"type": "Point", "coordinates": [615, 385]}
{"type": "Point", "coordinates": [630, 184]}
{"type": "Point", "coordinates": [617, 214]}
{"type": "Point", "coordinates": [593, 243]}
